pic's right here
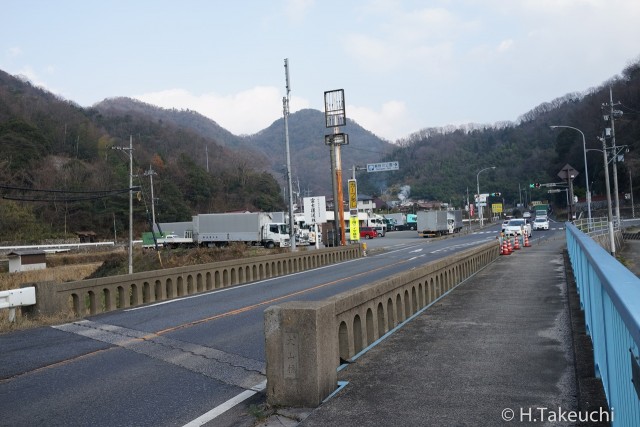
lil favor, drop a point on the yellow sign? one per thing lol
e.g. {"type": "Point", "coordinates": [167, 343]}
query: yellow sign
{"type": "Point", "coordinates": [496, 207]}
{"type": "Point", "coordinates": [354, 228]}
{"type": "Point", "coordinates": [353, 194]}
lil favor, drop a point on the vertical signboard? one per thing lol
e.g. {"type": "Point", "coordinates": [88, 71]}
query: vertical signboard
{"type": "Point", "coordinates": [354, 228]}
{"type": "Point", "coordinates": [315, 210]}
{"type": "Point", "coordinates": [353, 195]}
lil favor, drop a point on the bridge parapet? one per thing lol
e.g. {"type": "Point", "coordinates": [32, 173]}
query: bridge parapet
{"type": "Point", "coordinates": [306, 340]}
{"type": "Point", "coordinates": [93, 296]}
{"type": "Point", "coordinates": [610, 298]}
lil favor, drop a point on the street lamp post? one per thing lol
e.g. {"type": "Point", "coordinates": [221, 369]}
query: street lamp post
{"type": "Point", "coordinates": [586, 172]}
{"type": "Point", "coordinates": [478, 188]}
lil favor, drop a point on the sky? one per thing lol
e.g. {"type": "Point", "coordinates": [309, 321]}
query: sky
{"type": "Point", "coordinates": [404, 65]}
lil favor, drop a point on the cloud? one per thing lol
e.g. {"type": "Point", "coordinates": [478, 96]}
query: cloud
{"type": "Point", "coordinates": [297, 10]}
{"type": "Point", "coordinates": [245, 112]}
{"type": "Point", "coordinates": [14, 51]}
{"type": "Point", "coordinates": [390, 122]}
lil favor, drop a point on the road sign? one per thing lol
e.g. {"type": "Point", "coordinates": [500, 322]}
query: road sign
{"type": "Point", "coordinates": [383, 167]}
{"type": "Point", "coordinates": [496, 207]}
{"type": "Point", "coordinates": [567, 171]}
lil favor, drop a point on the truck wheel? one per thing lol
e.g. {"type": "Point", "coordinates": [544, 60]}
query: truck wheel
{"type": "Point", "coordinates": [270, 245]}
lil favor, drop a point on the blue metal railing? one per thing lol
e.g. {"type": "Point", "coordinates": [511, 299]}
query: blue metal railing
{"type": "Point", "coordinates": [610, 298]}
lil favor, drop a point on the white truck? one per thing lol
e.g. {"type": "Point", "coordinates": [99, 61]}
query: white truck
{"type": "Point", "coordinates": [438, 223]}
{"type": "Point", "coordinates": [254, 228]}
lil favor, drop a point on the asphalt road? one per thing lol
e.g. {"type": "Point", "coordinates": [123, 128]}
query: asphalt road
{"type": "Point", "coordinates": [169, 363]}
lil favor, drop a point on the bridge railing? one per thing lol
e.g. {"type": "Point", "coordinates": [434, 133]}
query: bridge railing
{"type": "Point", "coordinates": [94, 296]}
{"type": "Point", "coordinates": [610, 298]}
{"type": "Point", "coordinates": [305, 340]}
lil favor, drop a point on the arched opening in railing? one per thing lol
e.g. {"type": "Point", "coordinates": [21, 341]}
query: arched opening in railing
{"type": "Point", "coordinates": [209, 281]}
{"type": "Point", "coordinates": [414, 300]}
{"type": "Point", "coordinates": [391, 318]}
{"type": "Point", "coordinates": [343, 341]}
{"type": "Point", "coordinates": [225, 278]}
{"type": "Point", "coordinates": [190, 288]}
{"type": "Point", "coordinates": [407, 304]}
{"type": "Point", "coordinates": [399, 310]}
{"type": "Point", "coordinates": [92, 303]}
{"type": "Point", "coordinates": [76, 305]}
{"type": "Point", "coordinates": [133, 295]}
{"type": "Point", "coordinates": [106, 295]}
{"type": "Point", "coordinates": [381, 320]}
{"type": "Point", "coordinates": [122, 298]}
{"type": "Point", "coordinates": [180, 286]}
{"type": "Point", "coordinates": [199, 283]}
{"type": "Point", "coordinates": [158, 291]}
{"type": "Point", "coordinates": [357, 334]}
{"type": "Point", "coordinates": [146, 293]}
{"type": "Point", "coordinates": [370, 327]}
{"type": "Point", "coordinates": [169, 288]}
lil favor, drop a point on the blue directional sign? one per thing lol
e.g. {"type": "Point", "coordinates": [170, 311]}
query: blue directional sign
{"type": "Point", "coordinates": [383, 167]}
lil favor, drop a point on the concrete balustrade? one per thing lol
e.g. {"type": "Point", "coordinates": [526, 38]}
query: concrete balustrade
{"type": "Point", "coordinates": [305, 340]}
{"type": "Point", "coordinates": [93, 296]}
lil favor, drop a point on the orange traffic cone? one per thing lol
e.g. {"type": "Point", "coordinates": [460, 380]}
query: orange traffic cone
{"type": "Point", "coordinates": [509, 247]}
{"type": "Point", "coordinates": [526, 241]}
{"type": "Point", "coordinates": [505, 249]}
{"type": "Point", "coordinates": [516, 243]}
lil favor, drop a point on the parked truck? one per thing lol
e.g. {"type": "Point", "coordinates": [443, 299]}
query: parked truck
{"type": "Point", "coordinates": [254, 228]}
{"type": "Point", "coordinates": [403, 221]}
{"type": "Point", "coordinates": [438, 223]}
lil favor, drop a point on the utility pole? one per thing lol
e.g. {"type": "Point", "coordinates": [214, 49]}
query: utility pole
{"type": "Point", "coordinates": [285, 102]}
{"type": "Point", "coordinates": [130, 151]}
{"type": "Point", "coordinates": [150, 174]}
{"type": "Point", "coordinates": [615, 155]}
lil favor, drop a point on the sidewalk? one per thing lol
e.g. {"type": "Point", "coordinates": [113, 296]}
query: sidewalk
{"type": "Point", "coordinates": [498, 346]}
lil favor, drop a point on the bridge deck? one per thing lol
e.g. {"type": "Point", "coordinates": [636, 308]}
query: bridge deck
{"type": "Point", "coordinates": [499, 346]}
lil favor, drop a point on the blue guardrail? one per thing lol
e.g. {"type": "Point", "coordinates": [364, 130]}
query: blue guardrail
{"type": "Point", "coordinates": [610, 298]}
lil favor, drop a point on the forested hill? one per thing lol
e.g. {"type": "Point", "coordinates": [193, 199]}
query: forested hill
{"type": "Point", "coordinates": [59, 174]}
{"type": "Point", "coordinates": [443, 163]}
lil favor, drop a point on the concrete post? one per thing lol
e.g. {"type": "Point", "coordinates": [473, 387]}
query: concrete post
{"type": "Point", "coordinates": [302, 353]}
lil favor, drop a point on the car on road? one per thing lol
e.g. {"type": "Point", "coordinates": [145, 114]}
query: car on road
{"type": "Point", "coordinates": [526, 214]}
{"type": "Point", "coordinates": [368, 233]}
{"type": "Point", "coordinates": [517, 227]}
{"type": "Point", "coordinates": [541, 224]}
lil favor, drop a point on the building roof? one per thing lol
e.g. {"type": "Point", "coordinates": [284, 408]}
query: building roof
{"type": "Point", "coordinates": [26, 252]}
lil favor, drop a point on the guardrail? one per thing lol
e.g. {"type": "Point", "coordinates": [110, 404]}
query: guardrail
{"type": "Point", "coordinates": [306, 340]}
{"type": "Point", "coordinates": [610, 298]}
{"type": "Point", "coordinates": [17, 298]}
{"type": "Point", "coordinates": [598, 230]}
{"type": "Point", "coordinates": [93, 296]}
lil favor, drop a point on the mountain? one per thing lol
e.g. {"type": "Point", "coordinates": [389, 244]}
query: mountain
{"type": "Point", "coordinates": [310, 157]}
{"type": "Point", "coordinates": [445, 163]}
{"type": "Point", "coordinates": [59, 175]}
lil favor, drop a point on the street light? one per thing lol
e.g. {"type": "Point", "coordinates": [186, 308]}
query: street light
{"type": "Point", "coordinates": [478, 188]}
{"type": "Point", "coordinates": [586, 172]}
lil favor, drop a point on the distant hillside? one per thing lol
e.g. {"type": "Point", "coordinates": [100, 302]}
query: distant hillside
{"type": "Point", "coordinates": [187, 119]}
{"type": "Point", "coordinates": [59, 175]}
{"type": "Point", "coordinates": [310, 157]}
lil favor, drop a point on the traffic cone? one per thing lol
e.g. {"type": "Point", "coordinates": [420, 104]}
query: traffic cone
{"type": "Point", "coordinates": [509, 247]}
{"type": "Point", "coordinates": [516, 243]}
{"type": "Point", "coordinates": [505, 249]}
{"type": "Point", "coordinates": [526, 241]}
